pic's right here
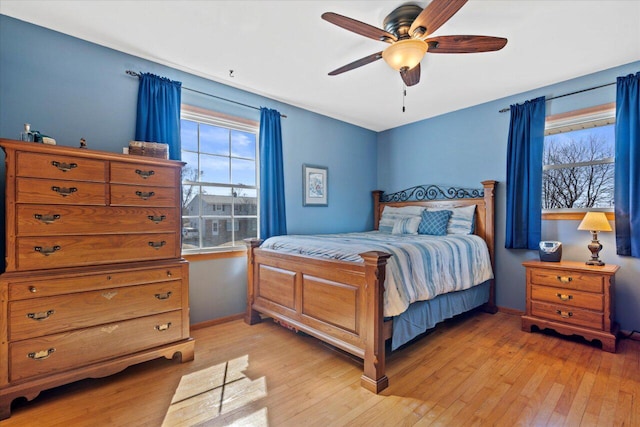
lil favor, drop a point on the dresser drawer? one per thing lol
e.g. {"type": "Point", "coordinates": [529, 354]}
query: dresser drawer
{"type": "Point", "coordinates": [44, 191]}
{"type": "Point", "coordinates": [136, 195]}
{"type": "Point", "coordinates": [39, 285]}
{"type": "Point", "coordinates": [568, 315]}
{"type": "Point", "coordinates": [127, 173]}
{"type": "Point", "coordinates": [67, 350]}
{"type": "Point", "coordinates": [49, 220]}
{"type": "Point", "coordinates": [568, 297]}
{"type": "Point", "coordinates": [568, 279]}
{"type": "Point", "coordinates": [36, 253]}
{"type": "Point", "coordinates": [43, 316]}
{"type": "Point", "coordinates": [36, 165]}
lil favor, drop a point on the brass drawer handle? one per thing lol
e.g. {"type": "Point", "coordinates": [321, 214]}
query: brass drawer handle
{"type": "Point", "coordinates": [165, 295]}
{"type": "Point", "coordinates": [46, 251]}
{"type": "Point", "coordinates": [47, 219]}
{"type": "Point", "coordinates": [109, 295]}
{"type": "Point", "coordinates": [564, 279]}
{"type": "Point", "coordinates": [145, 174]}
{"type": "Point", "coordinates": [43, 315]}
{"type": "Point", "coordinates": [145, 195]}
{"type": "Point", "coordinates": [163, 327]}
{"type": "Point", "coordinates": [64, 167]}
{"type": "Point", "coordinates": [157, 219]}
{"type": "Point", "coordinates": [564, 297]}
{"type": "Point", "coordinates": [41, 355]}
{"type": "Point", "coordinates": [564, 314]}
{"type": "Point", "coordinates": [157, 245]}
{"type": "Point", "coordinates": [63, 191]}
{"type": "Point", "coordinates": [33, 289]}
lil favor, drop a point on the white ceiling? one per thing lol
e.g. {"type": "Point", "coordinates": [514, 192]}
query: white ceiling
{"type": "Point", "coordinates": [284, 50]}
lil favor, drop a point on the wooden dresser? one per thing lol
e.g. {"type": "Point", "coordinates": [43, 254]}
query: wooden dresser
{"type": "Point", "coordinates": [94, 280]}
{"type": "Point", "coordinates": [572, 298]}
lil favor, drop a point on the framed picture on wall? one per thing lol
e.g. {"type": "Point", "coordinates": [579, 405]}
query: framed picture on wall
{"type": "Point", "coordinates": [315, 185]}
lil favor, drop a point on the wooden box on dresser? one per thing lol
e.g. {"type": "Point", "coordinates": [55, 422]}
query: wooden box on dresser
{"type": "Point", "coordinates": [572, 298]}
{"type": "Point", "coordinates": [94, 280]}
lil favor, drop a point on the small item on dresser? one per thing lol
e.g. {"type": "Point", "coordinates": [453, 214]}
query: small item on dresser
{"type": "Point", "coordinates": [26, 135]}
{"type": "Point", "coordinates": [83, 143]}
{"type": "Point", "coordinates": [550, 251]}
{"type": "Point", "coordinates": [149, 149]}
{"type": "Point", "coordinates": [42, 139]}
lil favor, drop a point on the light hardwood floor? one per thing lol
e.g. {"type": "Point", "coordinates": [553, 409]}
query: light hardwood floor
{"type": "Point", "coordinates": [479, 369]}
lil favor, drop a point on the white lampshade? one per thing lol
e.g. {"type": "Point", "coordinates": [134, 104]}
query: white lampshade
{"type": "Point", "coordinates": [405, 53]}
{"type": "Point", "coordinates": [595, 221]}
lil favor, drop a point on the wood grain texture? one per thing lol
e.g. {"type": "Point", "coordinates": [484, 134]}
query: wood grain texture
{"type": "Point", "coordinates": [477, 369]}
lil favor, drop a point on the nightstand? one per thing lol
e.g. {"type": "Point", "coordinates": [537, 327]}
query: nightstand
{"type": "Point", "coordinates": [572, 298]}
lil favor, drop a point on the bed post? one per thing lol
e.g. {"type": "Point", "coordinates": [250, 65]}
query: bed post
{"type": "Point", "coordinates": [489, 203]}
{"type": "Point", "coordinates": [251, 316]}
{"type": "Point", "coordinates": [374, 377]}
{"type": "Point", "coordinates": [377, 194]}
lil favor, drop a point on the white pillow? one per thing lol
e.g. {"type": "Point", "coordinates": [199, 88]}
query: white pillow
{"type": "Point", "coordinates": [462, 219]}
{"type": "Point", "coordinates": [392, 214]}
{"type": "Point", "coordinates": [408, 225]}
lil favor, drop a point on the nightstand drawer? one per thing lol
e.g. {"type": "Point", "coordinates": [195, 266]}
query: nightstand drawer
{"type": "Point", "coordinates": [569, 315]}
{"type": "Point", "coordinates": [568, 297]}
{"type": "Point", "coordinates": [568, 279]}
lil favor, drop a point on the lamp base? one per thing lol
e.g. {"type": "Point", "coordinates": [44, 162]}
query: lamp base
{"type": "Point", "coordinates": [596, 262]}
{"type": "Point", "coordinates": [595, 247]}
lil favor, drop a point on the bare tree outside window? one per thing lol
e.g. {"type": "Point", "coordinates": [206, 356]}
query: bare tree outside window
{"type": "Point", "coordinates": [578, 171]}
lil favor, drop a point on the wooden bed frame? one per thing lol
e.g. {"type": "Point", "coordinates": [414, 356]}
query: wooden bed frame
{"type": "Point", "coordinates": [341, 302]}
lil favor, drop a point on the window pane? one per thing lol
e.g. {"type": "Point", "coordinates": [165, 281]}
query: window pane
{"type": "Point", "coordinates": [578, 187]}
{"type": "Point", "coordinates": [190, 200]}
{"type": "Point", "coordinates": [214, 140]}
{"type": "Point", "coordinates": [190, 170]}
{"type": "Point", "coordinates": [582, 145]}
{"type": "Point", "coordinates": [214, 169]}
{"type": "Point", "coordinates": [188, 135]}
{"type": "Point", "coordinates": [246, 202]}
{"type": "Point", "coordinates": [243, 171]}
{"type": "Point", "coordinates": [243, 144]}
{"type": "Point", "coordinates": [247, 228]}
{"type": "Point", "coordinates": [217, 201]}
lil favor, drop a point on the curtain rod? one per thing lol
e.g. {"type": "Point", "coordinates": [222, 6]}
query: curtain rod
{"type": "Point", "coordinates": [504, 110]}
{"type": "Point", "coordinates": [134, 74]}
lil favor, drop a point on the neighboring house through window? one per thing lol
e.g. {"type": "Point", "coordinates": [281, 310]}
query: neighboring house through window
{"type": "Point", "coordinates": [219, 180]}
{"type": "Point", "coordinates": [578, 162]}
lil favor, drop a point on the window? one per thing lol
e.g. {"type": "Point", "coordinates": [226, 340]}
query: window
{"type": "Point", "coordinates": [578, 161]}
{"type": "Point", "coordinates": [219, 180]}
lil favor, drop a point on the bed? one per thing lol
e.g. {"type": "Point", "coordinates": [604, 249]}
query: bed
{"type": "Point", "coordinates": [341, 300]}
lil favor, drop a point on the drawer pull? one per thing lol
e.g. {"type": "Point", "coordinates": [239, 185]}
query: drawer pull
{"type": "Point", "coordinates": [145, 195]}
{"type": "Point", "coordinates": [41, 355]}
{"type": "Point", "coordinates": [169, 273]}
{"type": "Point", "coordinates": [33, 289]}
{"type": "Point", "coordinates": [63, 191]}
{"type": "Point", "coordinates": [564, 279]}
{"type": "Point", "coordinates": [64, 167]}
{"type": "Point", "coordinates": [109, 329]}
{"type": "Point", "coordinates": [163, 327]}
{"type": "Point", "coordinates": [564, 314]}
{"type": "Point", "coordinates": [564, 297]}
{"type": "Point", "coordinates": [157, 219]}
{"type": "Point", "coordinates": [157, 245]}
{"type": "Point", "coordinates": [47, 219]}
{"type": "Point", "coordinates": [43, 315]}
{"type": "Point", "coordinates": [46, 251]}
{"type": "Point", "coordinates": [145, 174]}
{"type": "Point", "coordinates": [109, 295]}
{"type": "Point", "coordinates": [166, 295]}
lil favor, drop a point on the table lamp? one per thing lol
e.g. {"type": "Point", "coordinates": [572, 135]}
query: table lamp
{"type": "Point", "coordinates": [594, 222]}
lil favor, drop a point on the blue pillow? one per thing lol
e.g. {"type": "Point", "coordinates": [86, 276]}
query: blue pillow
{"type": "Point", "coordinates": [434, 222]}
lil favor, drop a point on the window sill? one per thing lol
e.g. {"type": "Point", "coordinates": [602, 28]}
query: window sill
{"type": "Point", "coordinates": [193, 257]}
{"type": "Point", "coordinates": [571, 215]}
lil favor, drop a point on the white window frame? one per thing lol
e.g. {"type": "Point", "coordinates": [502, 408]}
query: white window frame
{"type": "Point", "coordinates": [591, 117]}
{"type": "Point", "coordinates": [196, 114]}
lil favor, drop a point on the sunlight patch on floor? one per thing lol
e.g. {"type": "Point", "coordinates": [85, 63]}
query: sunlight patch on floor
{"type": "Point", "coordinates": [207, 394]}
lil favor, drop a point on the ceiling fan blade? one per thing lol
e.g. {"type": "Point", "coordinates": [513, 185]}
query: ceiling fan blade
{"type": "Point", "coordinates": [355, 64]}
{"type": "Point", "coordinates": [359, 27]}
{"type": "Point", "coordinates": [433, 16]}
{"type": "Point", "coordinates": [411, 77]}
{"type": "Point", "coordinates": [465, 44]}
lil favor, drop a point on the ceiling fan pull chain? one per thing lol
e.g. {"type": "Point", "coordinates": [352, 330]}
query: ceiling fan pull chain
{"type": "Point", "coordinates": [404, 95]}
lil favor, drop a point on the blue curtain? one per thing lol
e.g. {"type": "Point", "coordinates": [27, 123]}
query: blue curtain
{"type": "Point", "coordinates": [524, 175]}
{"type": "Point", "coordinates": [272, 209]}
{"type": "Point", "coordinates": [158, 117]}
{"type": "Point", "coordinates": [627, 172]}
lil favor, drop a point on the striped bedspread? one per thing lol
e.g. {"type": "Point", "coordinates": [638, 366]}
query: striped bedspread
{"type": "Point", "coordinates": [421, 267]}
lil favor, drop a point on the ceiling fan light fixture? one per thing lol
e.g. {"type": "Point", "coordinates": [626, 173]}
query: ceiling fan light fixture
{"type": "Point", "coordinates": [405, 53]}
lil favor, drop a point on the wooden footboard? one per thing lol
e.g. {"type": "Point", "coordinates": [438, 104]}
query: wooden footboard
{"type": "Point", "coordinates": [338, 302]}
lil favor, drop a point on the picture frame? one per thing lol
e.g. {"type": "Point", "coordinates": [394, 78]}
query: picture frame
{"type": "Point", "coordinates": [315, 185]}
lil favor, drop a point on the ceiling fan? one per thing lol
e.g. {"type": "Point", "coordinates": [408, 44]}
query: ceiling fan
{"type": "Point", "coordinates": [407, 30]}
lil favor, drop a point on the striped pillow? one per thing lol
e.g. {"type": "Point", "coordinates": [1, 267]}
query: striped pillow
{"type": "Point", "coordinates": [390, 215]}
{"type": "Point", "coordinates": [408, 225]}
{"type": "Point", "coordinates": [462, 221]}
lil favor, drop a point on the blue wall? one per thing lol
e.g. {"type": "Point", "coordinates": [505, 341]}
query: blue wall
{"type": "Point", "coordinates": [467, 146]}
